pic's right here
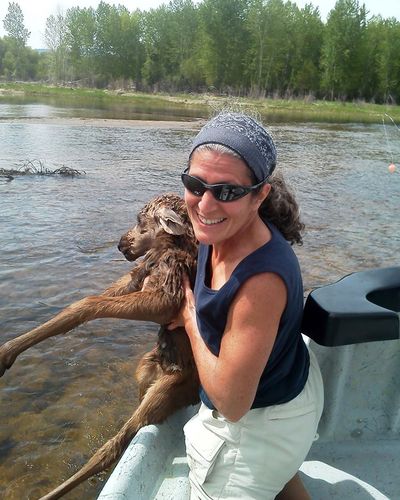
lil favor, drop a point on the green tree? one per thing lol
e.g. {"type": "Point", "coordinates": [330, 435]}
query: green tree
{"type": "Point", "coordinates": [160, 62]}
{"type": "Point", "coordinates": [56, 42]}
{"type": "Point", "coordinates": [14, 24]}
{"type": "Point", "coordinates": [31, 68]}
{"type": "Point", "coordinates": [118, 42]}
{"type": "Point", "coordinates": [3, 49]}
{"type": "Point", "coordinates": [80, 38]}
{"type": "Point", "coordinates": [183, 27]}
{"type": "Point", "coordinates": [272, 25]}
{"type": "Point", "coordinates": [16, 56]}
{"type": "Point", "coordinates": [374, 35]}
{"type": "Point", "coordinates": [307, 37]}
{"type": "Point", "coordinates": [343, 49]}
{"type": "Point", "coordinates": [384, 36]}
{"type": "Point", "coordinates": [133, 42]}
{"type": "Point", "coordinates": [224, 39]}
{"type": "Point", "coordinates": [8, 65]}
{"type": "Point", "coordinates": [169, 31]}
{"type": "Point", "coordinates": [257, 24]}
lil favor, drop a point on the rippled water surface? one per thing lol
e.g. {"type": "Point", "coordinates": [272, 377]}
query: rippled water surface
{"type": "Point", "coordinates": [65, 397]}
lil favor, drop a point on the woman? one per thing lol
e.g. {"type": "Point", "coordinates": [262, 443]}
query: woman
{"type": "Point", "coordinates": [261, 396]}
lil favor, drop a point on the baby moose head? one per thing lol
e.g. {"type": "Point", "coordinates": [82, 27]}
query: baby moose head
{"type": "Point", "coordinates": [163, 221]}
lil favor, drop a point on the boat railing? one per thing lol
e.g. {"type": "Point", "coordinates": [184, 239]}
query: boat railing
{"type": "Point", "coordinates": [353, 328]}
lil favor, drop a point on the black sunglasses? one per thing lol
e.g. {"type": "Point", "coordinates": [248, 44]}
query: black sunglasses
{"type": "Point", "coordinates": [221, 192]}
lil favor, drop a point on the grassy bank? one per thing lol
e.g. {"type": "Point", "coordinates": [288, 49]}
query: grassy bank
{"type": "Point", "coordinates": [270, 109]}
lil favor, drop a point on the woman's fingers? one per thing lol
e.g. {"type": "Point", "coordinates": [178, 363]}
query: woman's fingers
{"type": "Point", "coordinates": [188, 301]}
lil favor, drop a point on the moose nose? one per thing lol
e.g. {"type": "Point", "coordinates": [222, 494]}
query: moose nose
{"type": "Point", "coordinates": [123, 245]}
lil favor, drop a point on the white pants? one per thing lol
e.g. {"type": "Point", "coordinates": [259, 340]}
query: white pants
{"type": "Point", "coordinates": [255, 457]}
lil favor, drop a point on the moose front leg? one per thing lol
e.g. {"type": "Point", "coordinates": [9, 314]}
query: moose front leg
{"type": "Point", "coordinates": [155, 306]}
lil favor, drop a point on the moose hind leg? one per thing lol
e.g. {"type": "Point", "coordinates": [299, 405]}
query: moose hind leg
{"type": "Point", "coordinates": [147, 372]}
{"type": "Point", "coordinates": [158, 404]}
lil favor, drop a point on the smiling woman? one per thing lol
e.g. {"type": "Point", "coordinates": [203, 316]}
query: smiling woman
{"type": "Point", "coordinates": [261, 388]}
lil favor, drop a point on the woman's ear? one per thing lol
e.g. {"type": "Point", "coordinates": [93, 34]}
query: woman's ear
{"type": "Point", "coordinates": [264, 192]}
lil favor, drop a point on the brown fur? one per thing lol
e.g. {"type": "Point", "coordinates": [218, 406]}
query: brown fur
{"type": "Point", "coordinates": [152, 291]}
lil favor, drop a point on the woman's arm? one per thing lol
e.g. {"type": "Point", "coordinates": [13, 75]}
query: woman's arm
{"type": "Point", "coordinates": [231, 379]}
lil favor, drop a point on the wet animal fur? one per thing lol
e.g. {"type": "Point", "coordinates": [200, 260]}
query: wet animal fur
{"type": "Point", "coordinates": [152, 291]}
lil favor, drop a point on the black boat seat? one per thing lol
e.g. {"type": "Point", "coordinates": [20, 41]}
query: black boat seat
{"type": "Point", "coordinates": [361, 307]}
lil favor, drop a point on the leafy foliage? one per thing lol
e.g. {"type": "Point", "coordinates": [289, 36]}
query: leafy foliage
{"type": "Point", "coordinates": [239, 47]}
{"type": "Point", "coordinates": [14, 24]}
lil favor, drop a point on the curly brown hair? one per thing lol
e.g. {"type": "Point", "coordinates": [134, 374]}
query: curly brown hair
{"type": "Point", "coordinates": [281, 208]}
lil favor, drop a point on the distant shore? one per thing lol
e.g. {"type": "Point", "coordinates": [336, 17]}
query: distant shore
{"type": "Point", "coordinates": [188, 105]}
{"type": "Point", "coordinates": [109, 122]}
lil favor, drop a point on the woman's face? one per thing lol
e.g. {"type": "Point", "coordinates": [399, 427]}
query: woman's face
{"type": "Point", "coordinates": [214, 221]}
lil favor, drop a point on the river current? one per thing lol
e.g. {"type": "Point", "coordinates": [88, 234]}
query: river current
{"type": "Point", "coordinates": [65, 397]}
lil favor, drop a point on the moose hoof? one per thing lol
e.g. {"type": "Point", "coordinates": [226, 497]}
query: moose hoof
{"type": "Point", "coordinates": [2, 368]}
{"type": "Point", "coordinates": [5, 361]}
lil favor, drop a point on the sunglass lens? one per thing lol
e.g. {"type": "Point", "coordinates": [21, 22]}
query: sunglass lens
{"type": "Point", "coordinates": [229, 193]}
{"type": "Point", "coordinates": [193, 185]}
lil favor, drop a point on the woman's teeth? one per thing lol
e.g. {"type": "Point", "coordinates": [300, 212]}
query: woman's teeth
{"type": "Point", "coordinates": [210, 222]}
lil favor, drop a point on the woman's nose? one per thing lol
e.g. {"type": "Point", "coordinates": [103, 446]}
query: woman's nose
{"type": "Point", "coordinates": [207, 201]}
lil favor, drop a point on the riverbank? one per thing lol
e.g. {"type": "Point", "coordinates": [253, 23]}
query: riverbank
{"type": "Point", "coordinates": [108, 122]}
{"type": "Point", "coordinates": [272, 110]}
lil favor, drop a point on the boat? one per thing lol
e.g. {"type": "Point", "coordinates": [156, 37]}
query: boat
{"type": "Point", "coordinates": [353, 327]}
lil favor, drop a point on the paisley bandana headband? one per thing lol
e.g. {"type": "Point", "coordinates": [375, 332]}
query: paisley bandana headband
{"type": "Point", "coordinates": [244, 135]}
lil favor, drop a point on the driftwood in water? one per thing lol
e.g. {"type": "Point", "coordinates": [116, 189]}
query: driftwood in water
{"type": "Point", "coordinates": [36, 167]}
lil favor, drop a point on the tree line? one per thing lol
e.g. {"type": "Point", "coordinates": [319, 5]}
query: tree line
{"type": "Point", "coordinates": [242, 47]}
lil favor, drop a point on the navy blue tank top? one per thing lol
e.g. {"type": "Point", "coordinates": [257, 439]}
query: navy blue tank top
{"type": "Point", "coordinates": [286, 371]}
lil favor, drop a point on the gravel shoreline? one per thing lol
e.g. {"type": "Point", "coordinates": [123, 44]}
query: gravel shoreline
{"type": "Point", "coordinates": [108, 122]}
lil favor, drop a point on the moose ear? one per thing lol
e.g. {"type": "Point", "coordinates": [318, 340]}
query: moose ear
{"type": "Point", "coordinates": [170, 221]}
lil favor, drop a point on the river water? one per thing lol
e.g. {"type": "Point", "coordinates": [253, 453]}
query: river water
{"type": "Point", "coordinates": [65, 397]}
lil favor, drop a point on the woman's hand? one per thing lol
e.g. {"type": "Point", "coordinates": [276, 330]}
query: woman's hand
{"type": "Point", "coordinates": [187, 310]}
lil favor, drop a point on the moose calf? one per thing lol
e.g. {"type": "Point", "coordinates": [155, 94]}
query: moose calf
{"type": "Point", "coordinates": [152, 291]}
